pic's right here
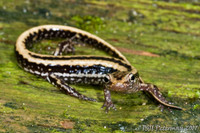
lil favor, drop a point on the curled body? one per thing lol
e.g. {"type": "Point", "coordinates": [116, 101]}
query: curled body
{"type": "Point", "coordinates": [113, 73]}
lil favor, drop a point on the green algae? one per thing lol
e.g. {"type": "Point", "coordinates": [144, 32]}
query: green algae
{"type": "Point", "coordinates": [88, 23]}
{"type": "Point", "coordinates": [168, 29]}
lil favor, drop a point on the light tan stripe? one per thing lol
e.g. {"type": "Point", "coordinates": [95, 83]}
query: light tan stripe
{"type": "Point", "coordinates": [20, 46]}
{"type": "Point", "coordinates": [79, 62]}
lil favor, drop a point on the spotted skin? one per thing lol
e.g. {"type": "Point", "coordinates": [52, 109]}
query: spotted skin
{"type": "Point", "coordinates": [155, 92]}
{"type": "Point", "coordinates": [108, 104]}
{"type": "Point", "coordinates": [114, 73]}
{"type": "Point", "coordinates": [66, 47]}
{"type": "Point", "coordinates": [60, 83]}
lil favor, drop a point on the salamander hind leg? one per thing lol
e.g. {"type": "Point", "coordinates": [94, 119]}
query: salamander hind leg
{"type": "Point", "coordinates": [63, 86]}
{"type": "Point", "coordinates": [108, 102]}
{"type": "Point", "coordinates": [66, 47]}
{"type": "Point", "coordinates": [154, 91]}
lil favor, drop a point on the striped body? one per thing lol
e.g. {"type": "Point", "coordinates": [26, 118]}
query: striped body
{"type": "Point", "coordinates": [60, 70]}
{"type": "Point", "coordinates": [80, 69]}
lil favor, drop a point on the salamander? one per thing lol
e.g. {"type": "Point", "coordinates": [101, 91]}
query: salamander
{"type": "Point", "coordinates": [113, 73]}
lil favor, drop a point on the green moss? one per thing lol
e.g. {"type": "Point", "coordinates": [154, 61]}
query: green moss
{"type": "Point", "coordinates": [196, 106]}
{"type": "Point", "coordinates": [5, 110]}
{"type": "Point", "coordinates": [88, 23]}
{"type": "Point", "coordinates": [168, 29]}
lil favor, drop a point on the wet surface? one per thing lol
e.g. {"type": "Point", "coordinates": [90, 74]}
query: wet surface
{"type": "Point", "coordinates": [167, 31]}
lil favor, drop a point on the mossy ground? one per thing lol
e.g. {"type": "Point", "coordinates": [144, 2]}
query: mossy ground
{"type": "Point", "coordinates": [168, 29]}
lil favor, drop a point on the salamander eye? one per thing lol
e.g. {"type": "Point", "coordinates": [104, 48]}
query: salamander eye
{"type": "Point", "coordinates": [132, 77]}
{"type": "Point", "coordinates": [107, 79]}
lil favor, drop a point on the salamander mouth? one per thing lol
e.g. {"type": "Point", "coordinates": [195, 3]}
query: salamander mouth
{"type": "Point", "coordinates": [119, 87]}
{"type": "Point", "coordinates": [124, 88]}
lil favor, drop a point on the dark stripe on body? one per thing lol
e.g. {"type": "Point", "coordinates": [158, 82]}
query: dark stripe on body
{"type": "Point", "coordinates": [59, 33]}
{"type": "Point", "coordinates": [71, 69]}
{"type": "Point", "coordinates": [81, 58]}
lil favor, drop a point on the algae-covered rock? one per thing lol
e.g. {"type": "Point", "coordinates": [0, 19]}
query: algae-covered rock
{"type": "Point", "coordinates": [159, 38]}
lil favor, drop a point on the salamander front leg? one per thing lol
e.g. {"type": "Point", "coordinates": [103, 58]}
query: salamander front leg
{"type": "Point", "coordinates": [62, 85]}
{"type": "Point", "coordinates": [154, 91]}
{"type": "Point", "coordinates": [108, 102]}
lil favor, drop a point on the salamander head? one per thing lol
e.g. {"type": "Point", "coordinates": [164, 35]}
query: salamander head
{"type": "Point", "coordinates": [121, 81]}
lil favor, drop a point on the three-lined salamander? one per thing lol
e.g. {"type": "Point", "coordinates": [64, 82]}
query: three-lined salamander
{"type": "Point", "coordinates": [112, 73]}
